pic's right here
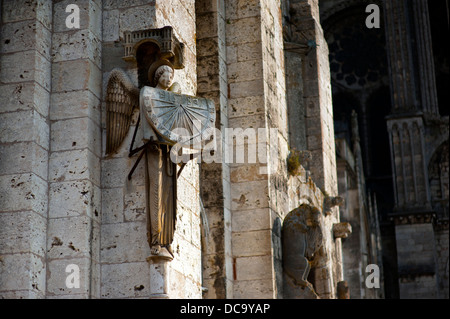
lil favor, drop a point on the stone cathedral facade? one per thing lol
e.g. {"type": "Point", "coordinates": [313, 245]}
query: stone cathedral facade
{"type": "Point", "coordinates": [349, 123]}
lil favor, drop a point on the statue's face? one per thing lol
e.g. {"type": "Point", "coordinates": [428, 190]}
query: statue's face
{"type": "Point", "coordinates": [165, 79]}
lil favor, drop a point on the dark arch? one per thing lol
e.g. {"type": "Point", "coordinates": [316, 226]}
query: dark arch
{"type": "Point", "coordinates": [343, 105]}
{"type": "Point", "coordinates": [378, 107]}
{"type": "Point", "coordinates": [146, 54]}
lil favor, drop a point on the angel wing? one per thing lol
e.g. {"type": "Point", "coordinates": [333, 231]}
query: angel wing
{"type": "Point", "coordinates": [122, 96]}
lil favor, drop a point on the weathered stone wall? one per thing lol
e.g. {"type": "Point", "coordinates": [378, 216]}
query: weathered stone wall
{"type": "Point", "coordinates": [417, 261]}
{"type": "Point", "coordinates": [74, 205]}
{"type": "Point", "coordinates": [70, 204]}
{"type": "Point", "coordinates": [442, 244]}
{"type": "Point", "coordinates": [25, 86]}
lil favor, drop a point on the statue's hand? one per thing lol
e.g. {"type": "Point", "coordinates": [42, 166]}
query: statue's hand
{"type": "Point", "coordinates": [175, 88]}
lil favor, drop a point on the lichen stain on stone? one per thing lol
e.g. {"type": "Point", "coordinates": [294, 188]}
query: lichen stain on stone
{"type": "Point", "coordinates": [71, 246]}
{"type": "Point", "coordinates": [56, 242]}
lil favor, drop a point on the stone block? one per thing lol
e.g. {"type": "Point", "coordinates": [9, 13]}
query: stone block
{"type": "Point", "coordinates": [246, 106]}
{"type": "Point", "coordinates": [247, 173]}
{"type": "Point", "coordinates": [111, 26]}
{"type": "Point", "coordinates": [188, 195]}
{"type": "Point", "coordinates": [18, 10]}
{"type": "Point", "coordinates": [208, 24]}
{"type": "Point", "coordinates": [76, 75]}
{"type": "Point", "coordinates": [246, 89]}
{"type": "Point", "coordinates": [76, 134]}
{"type": "Point", "coordinates": [26, 35]}
{"type": "Point", "coordinates": [133, 205]}
{"type": "Point", "coordinates": [71, 237]}
{"type": "Point", "coordinates": [25, 66]}
{"type": "Point", "coordinates": [245, 71]}
{"type": "Point", "coordinates": [79, 44]}
{"type": "Point", "coordinates": [17, 97]}
{"type": "Point", "coordinates": [58, 275]}
{"type": "Point", "coordinates": [74, 198]}
{"type": "Point", "coordinates": [208, 66]}
{"type": "Point", "coordinates": [207, 46]}
{"type": "Point", "coordinates": [250, 51]}
{"type": "Point", "coordinates": [25, 126]}
{"type": "Point", "coordinates": [75, 104]}
{"type": "Point", "coordinates": [124, 243]}
{"type": "Point", "coordinates": [249, 195]}
{"type": "Point", "coordinates": [19, 158]}
{"type": "Point", "coordinates": [251, 220]}
{"type": "Point", "coordinates": [253, 268]}
{"type": "Point", "coordinates": [251, 243]}
{"type": "Point", "coordinates": [24, 272]}
{"type": "Point", "coordinates": [239, 9]}
{"type": "Point", "coordinates": [90, 16]}
{"type": "Point", "coordinates": [242, 31]}
{"type": "Point", "coordinates": [202, 7]}
{"type": "Point", "coordinates": [112, 206]}
{"type": "Point", "coordinates": [125, 280]}
{"type": "Point", "coordinates": [26, 192]}
{"type": "Point", "coordinates": [119, 4]}
{"type": "Point", "coordinates": [254, 289]}
{"type": "Point", "coordinates": [137, 18]}
{"type": "Point", "coordinates": [187, 258]}
{"type": "Point", "coordinates": [22, 232]}
{"type": "Point", "coordinates": [74, 165]}
{"type": "Point", "coordinates": [184, 221]}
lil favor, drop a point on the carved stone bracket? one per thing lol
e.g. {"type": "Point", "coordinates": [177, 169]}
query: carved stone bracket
{"type": "Point", "coordinates": [329, 202]}
{"type": "Point", "coordinates": [342, 230]}
{"type": "Point", "coordinates": [343, 291]}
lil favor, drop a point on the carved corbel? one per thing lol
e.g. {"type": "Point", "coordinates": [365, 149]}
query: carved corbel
{"type": "Point", "coordinates": [342, 230]}
{"type": "Point", "coordinates": [332, 201]}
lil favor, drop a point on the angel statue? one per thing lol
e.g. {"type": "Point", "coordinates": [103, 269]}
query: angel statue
{"type": "Point", "coordinates": [163, 110]}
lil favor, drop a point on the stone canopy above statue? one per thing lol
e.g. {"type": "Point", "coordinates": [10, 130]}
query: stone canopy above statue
{"type": "Point", "coordinates": [169, 47]}
{"type": "Point", "coordinates": [145, 47]}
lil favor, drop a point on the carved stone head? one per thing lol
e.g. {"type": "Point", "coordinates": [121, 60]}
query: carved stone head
{"type": "Point", "coordinates": [164, 77]}
{"type": "Point", "coordinates": [161, 73]}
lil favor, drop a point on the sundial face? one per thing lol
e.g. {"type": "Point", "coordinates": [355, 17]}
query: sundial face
{"type": "Point", "coordinates": [179, 118]}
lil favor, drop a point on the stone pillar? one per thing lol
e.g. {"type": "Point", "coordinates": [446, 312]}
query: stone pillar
{"type": "Point", "coordinates": [256, 100]}
{"type": "Point", "coordinates": [25, 84]}
{"type": "Point", "coordinates": [307, 32]}
{"type": "Point", "coordinates": [159, 277]}
{"type": "Point", "coordinates": [215, 177]}
{"type": "Point", "coordinates": [409, 169]}
{"type": "Point", "coordinates": [73, 235]}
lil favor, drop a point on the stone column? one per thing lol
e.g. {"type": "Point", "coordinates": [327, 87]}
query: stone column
{"type": "Point", "coordinates": [215, 177]}
{"type": "Point", "coordinates": [25, 84]}
{"type": "Point", "coordinates": [319, 127]}
{"type": "Point", "coordinates": [73, 234]}
{"type": "Point", "coordinates": [256, 100]}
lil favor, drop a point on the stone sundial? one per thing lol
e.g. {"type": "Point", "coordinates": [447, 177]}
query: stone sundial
{"type": "Point", "coordinates": [178, 118]}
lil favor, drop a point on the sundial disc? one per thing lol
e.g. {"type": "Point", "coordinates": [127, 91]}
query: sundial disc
{"type": "Point", "coordinates": [178, 118]}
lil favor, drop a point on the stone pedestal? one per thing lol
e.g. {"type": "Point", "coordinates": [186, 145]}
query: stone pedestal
{"type": "Point", "coordinates": [159, 276]}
